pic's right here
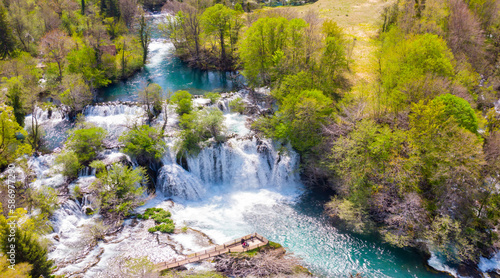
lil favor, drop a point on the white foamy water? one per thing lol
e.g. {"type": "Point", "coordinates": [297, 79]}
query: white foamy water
{"type": "Point", "coordinates": [236, 123]}
{"type": "Point", "coordinates": [53, 123]}
{"type": "Point", "coordinates": [491, 264]}
{"type": "Point", "coordinates": [236, 164]}
{"type": "Point", "coordinates": [115, 118]}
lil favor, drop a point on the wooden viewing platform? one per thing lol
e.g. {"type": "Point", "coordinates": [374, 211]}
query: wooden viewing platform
{"type": "Point", "coordinates": [254, 241]}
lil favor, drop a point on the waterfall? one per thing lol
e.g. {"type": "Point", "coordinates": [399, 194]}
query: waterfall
{"type": "Point", "coordinates": [114, 117]}
{"type": "Point", "coordinates": [54, 124]}
{"type": "Point", "coordinates": [234, 165]}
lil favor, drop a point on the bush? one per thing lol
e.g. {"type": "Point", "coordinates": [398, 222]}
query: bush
{"type": "Point", "coordinates": [199, 126]}
{"type": "Point", "coordinates": [461, 110]}
{"type": "Point", "coordinates": [161, 217]}
{"type": "Point", "coordinates": [164, 228]}
{"type": "Point", "coordinates": [183, 100]}
{"type": "Point", "coordinates": [119, 188]}
{"type": "Point", "coordinates": [237, 105]}
{"type": "Point", "coordinates": [86, 143]}
{"type": "Point", "coordinates": [214, 97]}
{"type": "Point", "coordinates": [70, 164]}
{"type": "Point", "coordinates": [158, 214]}
{"type": "Point", "coordinates": [28, 249]}
{"type": "Point", "coordinates": [143, 143]}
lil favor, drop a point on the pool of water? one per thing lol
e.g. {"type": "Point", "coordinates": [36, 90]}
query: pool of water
{"type": "Point", "coordinates": [165, 69]}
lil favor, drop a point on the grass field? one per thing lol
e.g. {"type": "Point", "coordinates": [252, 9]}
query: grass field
{"type": "Point", "coordinates": [361, 20]}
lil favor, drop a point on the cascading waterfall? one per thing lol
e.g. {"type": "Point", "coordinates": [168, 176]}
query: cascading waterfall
{"type": "Point", "coordinates": [53, 122]}
{"type": "Point", "coordinates": [236, 164]}
{"type": "Point", "coordinates": [114, 117]}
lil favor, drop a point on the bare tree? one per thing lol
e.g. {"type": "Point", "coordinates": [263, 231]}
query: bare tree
{"type": "Point", "coordinates": [465, 37]}
{"type": "Point", "coordinates": [55, 45]}
{"type": "Point", "coordinates": [191, 24]}
{"type": "Point", "coordinates": [128, 11]}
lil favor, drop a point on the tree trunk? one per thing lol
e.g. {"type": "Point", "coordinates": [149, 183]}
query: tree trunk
{"type": "Point", "coordinates": [222, 49]}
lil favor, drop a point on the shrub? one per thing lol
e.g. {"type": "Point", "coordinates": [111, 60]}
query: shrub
{"type": "Point", "coordinates": [143, 143]}
{"type": "Point", "coordinates": [119, 188]}
{"type": "Point", "coordinates": [199, 126]}
{"type": "Point", "coordinates": [70, 164]}
{"type": "Point", "coordinates": [214, 97]}
{"type": "Point", "coordinates": [461, 110]}
{"type": "Point", "coordinates": [237, 105]}
{"type": "Point", "coordinates": [183, 100]}
{"type": "Point", "coordinates": [164, 228]}
{"type": "Point", "coordinates": [86, 143]}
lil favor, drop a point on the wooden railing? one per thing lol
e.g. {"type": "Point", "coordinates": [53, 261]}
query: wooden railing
{"type": "Point", "coordinates": [228, 247]}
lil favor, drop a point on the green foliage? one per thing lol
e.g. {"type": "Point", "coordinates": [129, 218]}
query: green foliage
{"type": "Point", "coordinates": [86, 143]}
{"type": "Point", "coordinates": [119, 188]}
{"type": "Point", "coordinates": [300, 117]}
{"type": "Point", "coordinates": [158, 214]}
{"type": "Point", "coordinates": [144, 143]}
{"type": "Point", "coordinates": [11, 147]}
{"type": "Point", "coordinates": [69, 164]}
{"type": "Point", "coordinates": [261, 41]}
{"type": "Point", "coordinates": [443, 146]}
{"type": "Point", "coordinates": [183, 100]}
{"type": "Point", "coordinates": [362, 158]}
{"type": "Point", "coordinates": [82, 60]}
{"type": "Point", "coordinates": [448, 238]}
{"type": "Point", "coordinates": [27, 248]}
{"type": "Point", "coordinates": [216, 21]}
{"type": "Point", "coordinates": [460, 110]}
{"type": "Point", "coordinates": [77, 192]}
{"type": "Point", "coordinates": [237, 105]}
{"type": "Point", "coordinates": [151, 96]}
{"type": "Point", "coordinates": [7, 43]}
{"type": "Point", "coordinates": [22, 270]}
{"type": "Point", "coordinates": [411, 61]}
{"type": "Point", "coordinates": [16, 94]}
{"type": "Point", "coordinates": [161, 217]}
{"type": "Point", "coordinates": [167, 227]}
{"type": "Point", "coordinates": [77, 93]}
{"type": "Point", "coordinates": [199, 126]}
{"type": "Point", "coordinates": [214, 97]}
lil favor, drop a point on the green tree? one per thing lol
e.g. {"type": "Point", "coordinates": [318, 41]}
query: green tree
{"type": "Point", "coordinates": [237, 105]}
{"type": "Point", "coordinates": [119, 188]}
{"type": "Point", "coordinates": [69, 163]}
{"type": "Point", "coordinates": [7, 42]}
{"type": "Point", "coordinates": [183, 100]}
{"type": "Point", "coordinates": [22, 270]}
{"type": "Point", "coordinates": [461, 111]}
{"type": "Point", "coordinates": [216, 22]}
{"type": "Point", "coordinates": [11, 146]}
{"type": "Point", "coordinates": [260, 43]}
{"type": "Point", "coordinates": [214, 97]}
{"type": "Point", "coordinates": [82, 60]}
{"type": "Point", "coordinates": [144, 143]}
{"type": "Point", "coordinates": [27, 248]}
{"type": "Point", "coordinates": [144, 35]}
{"type": "Point", "coordinates": [199, 126]}
{"type": "Point", "coordinates": [300, 118]}
{"type": "Point", "coordinates": [77, 93]}
{"type": "Point", "coordinates": [151, 97]}
{"type": "Point", "coordinates": [86, 143]}
{"type": "Point", "coordinates": [16, 97]}
{"type": "Point", "coordinates": [409, 61]}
